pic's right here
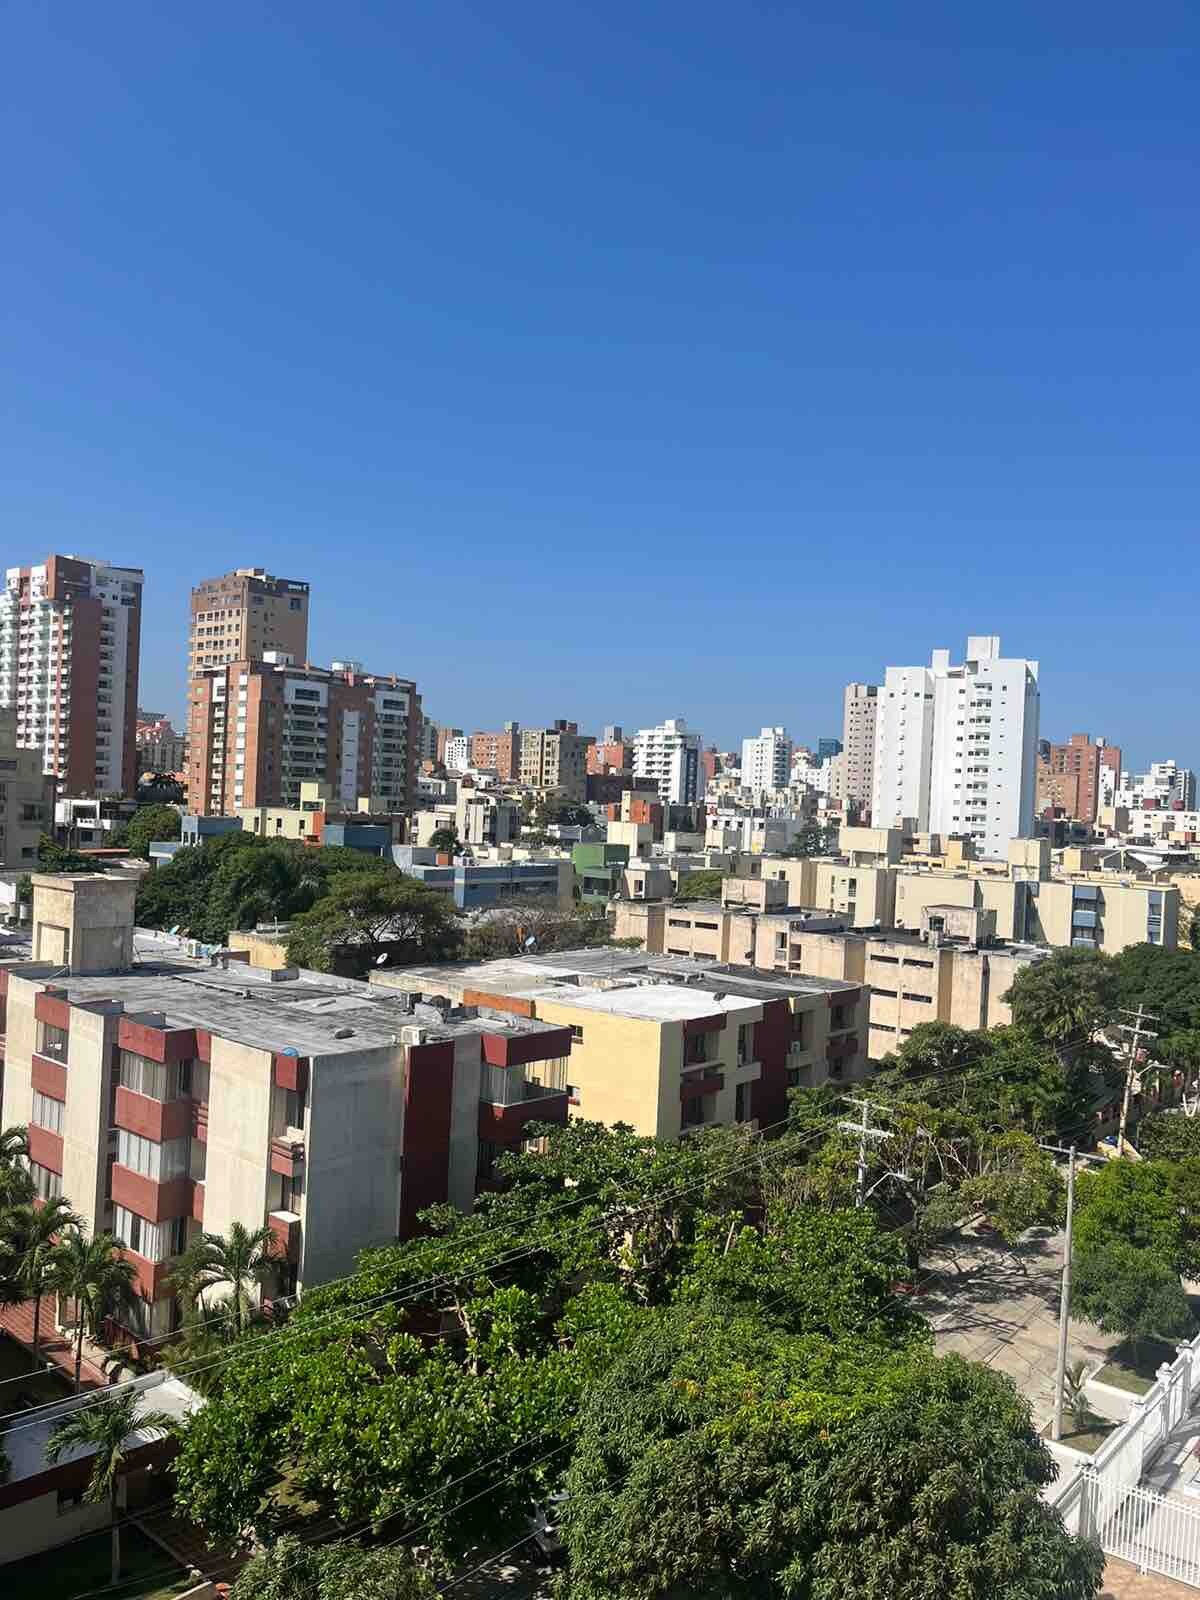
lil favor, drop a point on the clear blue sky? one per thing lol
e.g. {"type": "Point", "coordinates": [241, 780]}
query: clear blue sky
{"type": "Point", "coordinates": [623, 361]}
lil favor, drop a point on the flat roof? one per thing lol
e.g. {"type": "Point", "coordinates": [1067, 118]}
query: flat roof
{"type": "Point", "coordinates": [651, 1002]}
{"type": "Point", "coordinates": [28, 1433]}
{"type": "Point", "coordinates": [252, 1006]}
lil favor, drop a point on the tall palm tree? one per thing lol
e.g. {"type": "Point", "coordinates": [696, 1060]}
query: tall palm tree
{"type": "Point", "coordinates": [97, 1277]}
{"type": "Point", "coordinates": [28, 1233]}
{"type": "Point", "coordinates": [106, 1429]}
{"type": "Point", "coordinates": [241, 1260]}
{"type": "Point", "coordinates": [16, 1186]}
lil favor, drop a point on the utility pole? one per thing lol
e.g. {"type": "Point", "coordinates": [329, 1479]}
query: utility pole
{"type": "Point", "coordinates": [1136, 1033]}
{"type": "Point", "coordinates": [1064, 1301]}
{"type": "Point", "coordinates": [864, 1131]}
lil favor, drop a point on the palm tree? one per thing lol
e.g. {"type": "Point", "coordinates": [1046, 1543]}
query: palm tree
{"type": "Point", "coordinates": [97, 1277]}
{"type": "Point", "coordinates": [106, 1428]}
{"type": "Point", "coordinates": [29, 1234]}
{"type": "Point", "coordinates": [241, 1259]}
{"type": "Point", "coordinates": [16, 1185]}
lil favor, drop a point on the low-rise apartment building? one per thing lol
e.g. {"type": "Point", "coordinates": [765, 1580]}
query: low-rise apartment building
{"type": "Point", "coordinates": [26, 798]}
{"type": "Point", "coordinates": [477, 886]}
{"type": "Point", "coordinates": [668, 1046]}
{"type": "Point", "coordinates": [173, 1094]}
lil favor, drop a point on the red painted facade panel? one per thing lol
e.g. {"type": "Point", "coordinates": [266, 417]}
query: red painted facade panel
{"type": "Point", "coordinates": [151, 1276]}
{"type": "Point", "coordinates": [692, 1088]}
{"type": "Point", "coordinates": [498, 1002]}
{"type": "Point", "coordinates": [772, 1042]}
{"type": "Point", "coordinates": [45, 1148]}
{"type": "Point", "coordinates": [517, 1049]}
{"type": "Point", "coordinates": [153, 1119]}
{"type": "Point", "coordinates": [49, 1077]}
{"type": "Point", "coordinates": [428, 1096]}
{"type": "Point", "coordinates": [287, 1158]}
{"type": "Point", "coordinates": [705, 1024]}
{"type": "Point", "coordinates": [157, 1202]}
{"type": "Point", "coordinates": [506, 1124]}
{"type": "Point", "coordinates": [52, 1009]}
{"type": "Point", "coordinates": [291, 1072]}
{"type": "Point", "coordinates": [285, 1229]}
{"type": "Point", "coordinates": [158, 1044]}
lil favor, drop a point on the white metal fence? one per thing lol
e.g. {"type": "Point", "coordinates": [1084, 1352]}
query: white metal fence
{"type": "Point", "coordinates": [1154, 1532]}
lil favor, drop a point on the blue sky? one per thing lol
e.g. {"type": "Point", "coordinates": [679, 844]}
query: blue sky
{"type": "Point", "coordinates": [619, 362]}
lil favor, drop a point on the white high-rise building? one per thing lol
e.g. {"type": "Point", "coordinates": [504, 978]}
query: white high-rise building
{"type": "Point", "coordinates": [1166, 786]}
{"type": "Point", "coordinates": [670, 755]}
{"type": "Point", "coordinates": [956, 746]}
{"type": "Point", "coordinates": [767, 760]}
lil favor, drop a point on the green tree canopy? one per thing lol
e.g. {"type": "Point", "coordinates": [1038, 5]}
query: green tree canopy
{"type": "Point", "coordinates": [369, 913]}
{"type": "Point", "coordinates": [1067, 998]}
{"type": "Point", "coordinates": [149, 823]}
{"type": "Point", "coordinates": [720, 1457]}
{"type": "Point", "coordinates": [704, 885]}
{"type": "Point", "coordinates": [445, 840]}
{"type": "Point", "coordinates": [1131, 1291]}
{"type": "Point", "coordinates": [293, 1569]}
{"type": "Point", "coordinates": [1147, 1205]}
{"type": "Point", "coordinates": [1166, 982]}
{"type": "Point", "coordinates": [814, 841]}
{"type": "Point", "coordinates": [1169, 1136]}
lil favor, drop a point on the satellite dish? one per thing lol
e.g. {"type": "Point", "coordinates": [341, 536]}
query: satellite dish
{"type": "Point", "coordinates": [381, 958]}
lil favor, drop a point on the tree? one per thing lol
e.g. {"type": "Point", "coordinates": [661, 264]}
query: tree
{"type": "Point", "coordinates": [292, 1569]}
{"type": "Point", "coordinates": [814, 841]}
{"type": "Point", "coordinates": [16, 1186]}
{"type": "Point", "coordinates": [107, 1430]}
{"type": "Point", "coordinates": [372, 913]}
{"type": "Point", "coordinates": [1130, 1291]}
{"type": "Point", "coordinates": [239, 1261]}
{"type": "Point", "coordinates": [97, 1278]}
{"type": "Point", "coordinates": [1075, 1398]}
{"type": "Point", "coordinates": [55, 857]}
{"type": "Point", "coordinates": [700, 885]}
{"type": "Point", "coordinates": [149, 823]}
{"type": "Point", "coordinates": [937, 1047]}
{"type": "Point", "coordinates": [720, 1456]}
{"type": "Point", "coordinates": [1193, 927]}
{"type": "Point", "coordinates": [1169, 1136]}
{"type": "Point", "coordinates": [30, 1233]}
{"type": "Point", "coordinates": [1148, 1205]}
{"type": "Point", "coordinates": [445, 841]}
{"type": "Point", "coordinates": [1166, 982]}
{"type": "Point", "coordinates": [1067, 998]}
{"type": "Point", "coordinates": [508, 929]}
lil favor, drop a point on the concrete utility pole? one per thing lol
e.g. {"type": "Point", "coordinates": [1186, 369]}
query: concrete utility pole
{"type": "Point", "coordinates": [1136, 1033]}
{"type": "Point", "coordinates": [1064, 1299]}
{"type": "Point", "coordinates": [864, 1131]}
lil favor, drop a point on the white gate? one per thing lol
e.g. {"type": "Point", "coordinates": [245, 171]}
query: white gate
{"type": "Point", "coordinates": [1155, 1532]}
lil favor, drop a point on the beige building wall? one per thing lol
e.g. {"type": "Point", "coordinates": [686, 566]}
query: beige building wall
{"type": "Point", "coordinates": [275, 822]}
{"type": "Point", "coordinates": [1123, 914]}
{"type": "Point", "coordinates": [26, 798]}
{"type": "Point", "coordinates": [638, 837]}
{"type": "Point", "coordinates": [84, 920]}
{"type": "Point", "coordinates": [91, 1051]}
{"type": "Point", "coordinates": [238, 1172]}
{"type": "Point", "coordinates": [20, 1039]}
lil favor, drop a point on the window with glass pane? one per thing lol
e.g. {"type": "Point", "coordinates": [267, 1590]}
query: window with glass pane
{"type": "Point", "coordinates": [47, 1185]}
{"type": "Point", "coordinates": [157, 1080]}
{"type": "Point", "coordinates": [47, 1113]}
{"type": "Point", "coordinates": [171, 1159]}
{"type": "Point", "coordinates": [51, 1041]}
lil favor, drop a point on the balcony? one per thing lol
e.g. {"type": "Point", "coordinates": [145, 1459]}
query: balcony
{"type": "Point", "coordinates": [157, 1202]}
{"type": "Point", "coordinates": [49, 1077]}
{"type": "Point", "coordinates": [287, 1153]}
{"type": "Point", "coordinates": [153, 1119]}
{"type": "Point", "coordinates": [701, 1083]}
{"type": "Point", "coordinates": [285, 1229]}
{"type": "Point", "coordinates": [45, 1148]}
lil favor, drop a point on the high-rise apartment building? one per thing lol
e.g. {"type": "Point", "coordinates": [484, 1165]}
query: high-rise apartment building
{"type": "Point", "coordinates": [498, 752]}
{"type": "Point", "coordinates": [458, 753]}
{"type": "Point", "coordinates": [70, 649]}
{"type": "Point", "coordinates": [244, 614]}
{"type": "Point", "coordinates": [857, 776]}
{"type": "Point", "coordinates": [1069, 775]}
{"type": "Point", "coordinates": [956, 746]}
{"type": "Point", "coordinates": [258, 729]}
{"type": "Point", "coordinates": [555, 758]}
{"type": "Point", "coordinates": [1166, 786]}
{"type": "Point", "coordinates": [828, 748]}
{"type": "Point", "coordinates": [767, 760]}
{"type": "Point", "coordinates": [670, 755]}
{"type": "Point", "coordinates": [160, 748]}
{"type": "Point", "coordinates": [444, 736]}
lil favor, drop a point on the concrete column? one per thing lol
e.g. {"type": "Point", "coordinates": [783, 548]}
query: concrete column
{"type": "Point", "coordinates": [1137, 1440]}
{"type": "Point", "coordinates": [1166, 1414]}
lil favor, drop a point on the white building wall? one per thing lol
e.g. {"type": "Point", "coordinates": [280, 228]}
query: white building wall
{"type": "Point", "coordinates": [670, 754]}
{"type": "Point", "coordinates": [903, 746]}
{"type": "Point", "coordinates": [767, 760]}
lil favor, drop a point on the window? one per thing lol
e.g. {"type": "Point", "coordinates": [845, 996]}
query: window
{"type": "Point", "coordinates": [171, 1159]}
{"type": "Point", "coordinates": [741, 1103]}
{"type": "Point", "coordinates": [921, 999]}
{"type": "Point", "coordinates": [576, 1033]}
{"type": "Point", "coordinates": [695, 1049]}
{"type": "Point", "coordinates": [47, 1113]}
{"type": "Point", "coordinates": [47, 1185]}
{"type": "Point", "coordinates": [51, 1041]}
{"type": "Point", "coordinates": [158, 1080]}
{"type": "Point", "coordinates": [153, 1241]}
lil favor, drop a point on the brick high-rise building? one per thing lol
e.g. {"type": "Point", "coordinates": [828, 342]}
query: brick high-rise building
{"type": "Point", "coordinates": [556, 758]}
{"type": "Point", "coordinates": [498, 752]}
{"type": "Point", "coordinates": [70, 650]}
{"type": "Point", "coordinates": [258, 729]}
{"type": "Point", "coordinates": [1069, 775]}
{"type": "Point", "coordinates": [244, 614]}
